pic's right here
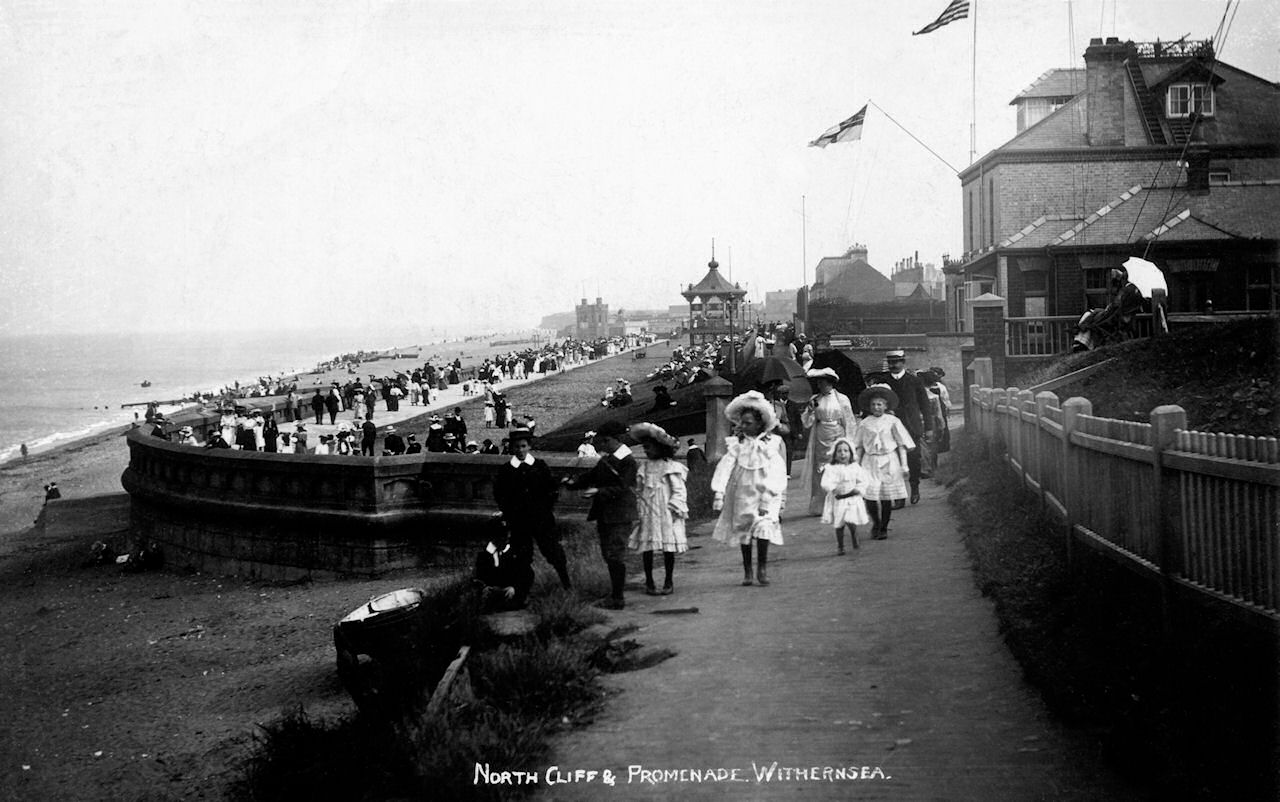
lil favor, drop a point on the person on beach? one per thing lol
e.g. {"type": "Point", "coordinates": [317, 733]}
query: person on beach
{"type": "Point", "coordinates": [526, 494]}
{"type": "Point", "coordinates": [828, 416]}
{"type": "Point", "coordinates": [610, 484]}
{"type": "Point", "coordinates": [845, 482]}
{"type": "Point", "coordinates": [664, 505]}
{"type": "Point", "coordinates": [749, 482]}
{"type": "Point", "coordinates": [317, 406]}
{"type": "Point", "coordinates": [881, 445]}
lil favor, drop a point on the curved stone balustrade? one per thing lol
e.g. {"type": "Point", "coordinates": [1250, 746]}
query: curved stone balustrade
{"type": "Point", "coordinates": [290, 515]}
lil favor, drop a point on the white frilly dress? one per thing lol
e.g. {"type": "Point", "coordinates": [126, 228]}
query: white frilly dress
{"type": "Point", "coordinates": [838, 479]}
{"type": "Point", "coordinates": [879, 438]}
{"type": "Point", "coordinates": [752, 479]}
{"type": "Point", "coordinates": [664, 506]}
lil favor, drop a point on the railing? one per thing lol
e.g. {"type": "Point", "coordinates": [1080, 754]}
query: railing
{"type": "Point", "coordinates": [1200, 511]}
{"type": "Point", "coordinates": [1178, 49]}
{"type": "Point", "coordinates": [1048, 336]}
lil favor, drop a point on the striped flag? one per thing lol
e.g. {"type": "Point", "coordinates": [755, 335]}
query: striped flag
{"type": "Point", "coordinates": [846, 131]}
{"type": "Point", "coordinates": [958, 9]}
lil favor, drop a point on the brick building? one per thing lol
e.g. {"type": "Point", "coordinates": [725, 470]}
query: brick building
{"type": "Point", "coordinates": [592, 320]}
{"type": "Point", "coordinates": [1153, 149]}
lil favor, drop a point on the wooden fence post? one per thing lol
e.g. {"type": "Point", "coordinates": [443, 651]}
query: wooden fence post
{"type": "Point", "coordinates": [1026, 435]}
{"type": "Point", "coordinates": [1165, 421]}
{"type": "Point", "coordinates": [1044, 400]}
{"type": "Point", "coordinates": [1072, 408]}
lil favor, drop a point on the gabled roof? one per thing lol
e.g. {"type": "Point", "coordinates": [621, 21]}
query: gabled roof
{"type": "Point", "coordinates": [1059, 82]}
{"type": "Point", "coordinates": [1235, 210]}
{"type": "Point", "coordinates": [1189, 70]}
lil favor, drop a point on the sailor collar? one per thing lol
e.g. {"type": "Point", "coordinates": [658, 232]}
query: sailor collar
{"type": "Point", "coordinates": [516, 463]}
{"type": "Point", "coordinates": [621, 453]}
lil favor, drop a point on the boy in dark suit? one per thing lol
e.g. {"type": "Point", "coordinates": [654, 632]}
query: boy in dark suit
{"type": "Point", "coordinates": [610, 484]}
{"type": "Point", "coordinates": [526, 493]}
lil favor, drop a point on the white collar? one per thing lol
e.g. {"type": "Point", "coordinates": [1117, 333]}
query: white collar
{"type": "Point", "coordinates": [898, 375]}
{"type": "Point", "coordinates": [622, 453]}
{"type": "Point", "coordinates": [528, 460]}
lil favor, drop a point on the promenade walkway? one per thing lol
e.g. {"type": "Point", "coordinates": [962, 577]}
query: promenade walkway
{"type": "Point", "coordinates": [885, 664]}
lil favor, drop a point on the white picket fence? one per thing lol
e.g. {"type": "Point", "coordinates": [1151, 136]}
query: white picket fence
{"type": "Point", "coordinates": [1198, 510]}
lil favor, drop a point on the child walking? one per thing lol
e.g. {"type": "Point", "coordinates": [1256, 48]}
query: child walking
{"type": "Point", "coordinates": [662, 504]}
{"type": "Point", "coordinates": [845, 482]}
{"type": "Point", "coordinates": [881, 442]}
{"type": "Point", "coordinates": [749, 482]}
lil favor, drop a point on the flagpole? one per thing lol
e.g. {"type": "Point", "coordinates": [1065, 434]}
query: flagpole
{"type": "Point", "coordinates": [973, 86]}
{"type": "Point", "coordinates": [804, 263]}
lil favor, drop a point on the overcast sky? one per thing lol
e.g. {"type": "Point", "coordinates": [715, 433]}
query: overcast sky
{"type": "Point", "coordinates": [206, 164]}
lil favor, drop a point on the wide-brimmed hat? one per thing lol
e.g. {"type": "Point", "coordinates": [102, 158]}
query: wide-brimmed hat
{"type": "Point", "coordinates": [877, 391]}
{"type": "Point", "coordinates": [752, 400]}
{"type": "Point", "coordinates": [302, 427]}
{"type": "Point", "coordinates": [520, 434]}
{"type": "Point", "coordinates": [927, 377]}
{"type": "Point", "coordinates": [813, 374]}
{"type": "Point", "coordinates": [389, 429]}
{"type": "Point", "coordinates": [588, 435]}
{"type": "Point", "coordinates": [185, 430]}
{"type": "Point", "coordinates": [652, 431]}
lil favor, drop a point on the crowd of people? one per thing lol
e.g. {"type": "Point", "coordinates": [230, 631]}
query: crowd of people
{"type": "Point", "coordinates": [862, 463]}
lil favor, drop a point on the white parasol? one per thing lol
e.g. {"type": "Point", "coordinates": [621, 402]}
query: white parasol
{"type": "Point", "coordinates": [1145, 275]}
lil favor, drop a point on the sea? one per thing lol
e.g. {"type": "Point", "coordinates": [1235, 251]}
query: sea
{"type": "Point", "coordinates": [56, 388]}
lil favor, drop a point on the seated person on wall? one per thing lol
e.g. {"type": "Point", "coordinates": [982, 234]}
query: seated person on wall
{"type": "Point", "coordinates": [503, 574]}
{"type": "Point", "coordinates": [1118, 319]}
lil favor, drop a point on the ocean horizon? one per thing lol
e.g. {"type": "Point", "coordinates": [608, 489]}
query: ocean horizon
{"type": "Point", "coordinates": [61, 387]}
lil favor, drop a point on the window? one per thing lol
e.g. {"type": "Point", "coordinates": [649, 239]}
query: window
{"type": "Point", "coordinates": [1187, 99]}
{"type": "Point", "coordinates": [1219, 176]}
{"type": "Point", "coordinates": [1262, 286]}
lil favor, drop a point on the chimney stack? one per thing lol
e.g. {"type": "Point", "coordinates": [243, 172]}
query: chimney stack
{"type": "Point", "coordinates": [1105, 79]}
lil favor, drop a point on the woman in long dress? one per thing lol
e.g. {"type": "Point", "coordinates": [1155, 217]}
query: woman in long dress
{"type": "Point", "coordinates": [749, 482]}
{"type": "Point", "coordinates": [882, 443]}
{"type": "Point", "coordinates": [829, 416]}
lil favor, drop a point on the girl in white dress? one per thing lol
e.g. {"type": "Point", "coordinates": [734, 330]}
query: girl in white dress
{"type": "Point", "coordinates": [845, 482]}
{"type": "Point", "coordinates": [749, 482]}
{"type": "Point", "coordinates": [663, 504]}
{"type": "Point", "coordinates": [882, 442]}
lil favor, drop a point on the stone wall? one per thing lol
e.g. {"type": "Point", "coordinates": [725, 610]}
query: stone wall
{"type": "Point", "coordinates": [284, 516]}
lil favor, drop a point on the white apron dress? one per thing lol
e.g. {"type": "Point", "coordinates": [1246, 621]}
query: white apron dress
{"type": "Point", "coordinates": [752, 477]}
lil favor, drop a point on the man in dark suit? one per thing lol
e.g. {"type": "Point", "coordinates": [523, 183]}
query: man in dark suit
{"type": "Point", "coordinates": [526, 493]}
{"type": "Point", "coordinates": [913, 409]}
{"type": "Point", "coordinates": [610, 484]}
{"type": "Point", "coordinates": [393, 443]}
{"type": "Point", "coordinates": [369, 438]}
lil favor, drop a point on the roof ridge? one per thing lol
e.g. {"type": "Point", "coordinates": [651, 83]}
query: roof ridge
{"type": "Point", "coordinates": [1092, 218]}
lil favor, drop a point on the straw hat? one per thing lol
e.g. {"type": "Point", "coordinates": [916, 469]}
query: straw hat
{"type": "Point", "coordinates": [652, 431]}
{"type": "Point", "coordinates": [877, 391]}
{"type": "Point", "coordinates": [754, 401]}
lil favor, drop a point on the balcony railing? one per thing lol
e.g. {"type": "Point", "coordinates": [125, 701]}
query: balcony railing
{"type": "Point", "coordinates": [1047, 336]}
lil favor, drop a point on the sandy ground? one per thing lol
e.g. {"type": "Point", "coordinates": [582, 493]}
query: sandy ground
{"type": "Point", "coordinates": [148, 686]}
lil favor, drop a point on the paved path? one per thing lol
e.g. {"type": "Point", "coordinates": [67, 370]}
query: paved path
{"type": "Point", "coordinates": [887, 659]}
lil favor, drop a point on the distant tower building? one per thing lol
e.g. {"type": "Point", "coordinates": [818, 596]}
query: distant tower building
{"type": "Point", "coordinates": [592, 320]}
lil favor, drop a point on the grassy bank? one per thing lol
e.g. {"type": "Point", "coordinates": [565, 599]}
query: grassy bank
{"type": "Point", "coordinates": [1191, 714]}
{"type": "Point", "coordinates": [525, 691]}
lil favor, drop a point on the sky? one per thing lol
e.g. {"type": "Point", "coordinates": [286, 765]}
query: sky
{"type": "Point", "coordinates": [206, 165]}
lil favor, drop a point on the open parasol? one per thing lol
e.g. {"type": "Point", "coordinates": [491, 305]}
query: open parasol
{"type": "Point", "coordinates": [763, 371]}
{"type": "Point", "coordinates": [1145, 275]}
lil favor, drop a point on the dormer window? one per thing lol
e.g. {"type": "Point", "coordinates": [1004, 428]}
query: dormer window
{"type": "Point", "coordinates": [1187, 99]}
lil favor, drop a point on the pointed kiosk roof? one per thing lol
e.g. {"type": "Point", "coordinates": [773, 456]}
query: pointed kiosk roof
{"type": "Point", "coordinates": [714, 285]}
